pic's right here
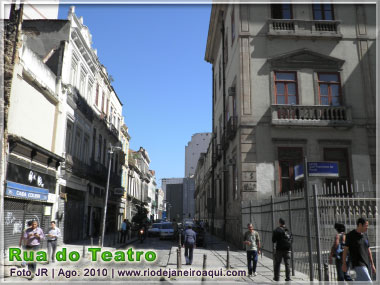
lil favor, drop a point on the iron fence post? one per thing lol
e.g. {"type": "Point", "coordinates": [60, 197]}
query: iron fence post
{"type": "Point", "coordinates": [326, 271]}
{"type": "Point", "coordinates": [272, 213]}
{"type": "Point", "coordinates": [290, 228]}
{"type": "Point", "coordinates": [228, 258]}
{"type": "Point", "coordinates": [306, 179]}
{"type": "Point", "coordinates": [204, 267]}
{"type": "Point", "coordinates": [318, 242]}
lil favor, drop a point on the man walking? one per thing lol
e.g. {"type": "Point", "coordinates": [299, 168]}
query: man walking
{"type": "Point", "coordinates": [52, 240]}
{"type": "Point", "coordinates": [357, 245]}
{"type": "Point", "coordinates": [252, 246]}
{"type": "Point", "coordinates": [123, 231]}
{"type": "Point", "coordinates": [33, 236]}
{"type": "Point", "coordinates": [283, 239]}
{"type": "Point", "coordinates": [190, 244]}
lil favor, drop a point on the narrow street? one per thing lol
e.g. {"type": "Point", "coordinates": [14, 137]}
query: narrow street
{"type": "Point", "coordinates": [215, 252]}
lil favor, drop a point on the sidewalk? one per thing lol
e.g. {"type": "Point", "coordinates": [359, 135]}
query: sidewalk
{"type": "Point", "coordinates": [216, 253]}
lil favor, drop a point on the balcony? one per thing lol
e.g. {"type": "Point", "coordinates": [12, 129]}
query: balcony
{"type": "Point", "coordinates": [311, 116]}
{"type": "Point", "coordinates": [231, 127]}
{"type": "Point", "coordinates": [304, 28]}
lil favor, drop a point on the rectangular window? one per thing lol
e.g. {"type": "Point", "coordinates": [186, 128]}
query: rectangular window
{"type": "Point", "coordinates": [105, 153]}
{"type": "Point", "coordinates": [323, 12]}
{"type": "Point", "coordinates": [108, 102]}
{"type": "Point", "coordinates": [288, 157]}
{"type": "Point", "coordinates": [102, 109]}
{"type": "Point", "coordinates": [73, 73]}
{"type": "Point", "coordinates": [339, 155]}
{"type": "Point", "coordinates": [85, 148]}
{"type": "Point", "coordinates": [97, 95]}
{"type": "Point", "coordinates": [286, 88]}
{"type": "Point", "coordinates": [69, 137]}
{"type": "Point", "coordinates": [329, 89]}
{"type": "Point", "coordinates": [282, 11]}
{"type": "Point", "coordinates": [232, 26]}
{"type": "Point", "coordinates": [89, 93]}
{"type": "Point", "coordinates": [82, 84]}
{"type": "Point", "coordinates": [93, 144]}
{"type": "Point", "coordinates": [100, 144]}
{"type": "Point", "coordinates": [78, 143]}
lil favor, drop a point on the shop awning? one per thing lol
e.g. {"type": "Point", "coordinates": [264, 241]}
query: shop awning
{"type": "Point", "coordinates": [26, 192]}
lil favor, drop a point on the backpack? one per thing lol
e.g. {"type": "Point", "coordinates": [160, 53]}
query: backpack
{"type": "Point", "coordinates": [339, 248]}
{"type": "Point", "coordinates": [287, 239]}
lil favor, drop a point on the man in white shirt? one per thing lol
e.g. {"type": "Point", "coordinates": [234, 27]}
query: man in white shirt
{"type": "Point", "coordinates": [52, 238]}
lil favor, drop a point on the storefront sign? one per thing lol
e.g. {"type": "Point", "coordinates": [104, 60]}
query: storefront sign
{"type": "Point", "coordinates": [26, 192]}
{"type": "Point", "coordinates": [30, 177]}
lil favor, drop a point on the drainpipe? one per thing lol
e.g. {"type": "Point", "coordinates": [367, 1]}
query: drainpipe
{"type": "Point", "coordinates": [224, 129]}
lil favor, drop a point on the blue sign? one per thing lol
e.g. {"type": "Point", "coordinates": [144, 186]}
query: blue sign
{"type": "Point", "coordinates": [26, 192]}
{"type": "Point", "coordinates": [329, 169]}
{"type": "Point", "coordinates": [298, 172]}
{"type": "Point", "coordinates": [164, 215]}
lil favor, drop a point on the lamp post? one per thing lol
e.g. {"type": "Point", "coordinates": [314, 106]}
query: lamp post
{"type": "Point", "coordinates": [111, 151]}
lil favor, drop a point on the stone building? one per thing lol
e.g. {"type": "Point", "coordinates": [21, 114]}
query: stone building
{"type": "Point", "coordinates": [125, 138]}
{"type": "Point", "coordinates": [289, 81]}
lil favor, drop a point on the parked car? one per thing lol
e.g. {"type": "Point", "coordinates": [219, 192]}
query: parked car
{"type": "Point", "coordinates": [154, 230]}
{"type": "Point", "coordinates": [166, 231]}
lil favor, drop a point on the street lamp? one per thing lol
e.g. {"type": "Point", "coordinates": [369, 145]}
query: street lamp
{"type": "Point", "coordinates": [111, 151]}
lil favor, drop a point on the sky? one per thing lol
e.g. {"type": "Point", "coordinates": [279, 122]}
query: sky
{"type": "Point", "coordinates": [155, 53]}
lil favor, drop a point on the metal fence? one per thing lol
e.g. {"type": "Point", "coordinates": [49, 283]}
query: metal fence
{"type": "Point", "coordinates": [326, 205]}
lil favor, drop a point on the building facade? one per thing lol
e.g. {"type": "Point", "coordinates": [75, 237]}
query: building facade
{"type": "Point", "coordinates": [289, 81]}
{"type": "Point", "coordinates": [71, 117]}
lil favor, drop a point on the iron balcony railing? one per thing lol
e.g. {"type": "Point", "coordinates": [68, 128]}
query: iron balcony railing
{"type": "Point", "coordinates": [318, 115]}
{"type": "Point", "coordinates": [304, 28]}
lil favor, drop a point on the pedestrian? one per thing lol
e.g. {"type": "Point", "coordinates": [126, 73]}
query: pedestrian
{"type": "Point", "coordinates": [123, 231]}
{"type": "Point", "coordinates": [190, 244]}
{"type": "Point", "coordinates": [175, 229]}
{"type": "Point", "coordinates": [22, 242]}
{"type": "Point", "coordinates": [252, 246]}
{"type": "Point", "coordinates": [33, 236]}
{"type": "Point", "coordinates": [129, 229]}
{"type": "Point", "coordinates": [283, 239]}
{"type": "Point", "coordinates": [337, 252]}
{"type": "Point", "coordinates": [52, 240]}
{"type": "Point", "coordinates": [357, 246]}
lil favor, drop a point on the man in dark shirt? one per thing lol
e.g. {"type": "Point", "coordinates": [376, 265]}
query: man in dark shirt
{"type": "Point", "coordinates": [282, 237]}
{"type": "Point", "coordinates": [357, 246]}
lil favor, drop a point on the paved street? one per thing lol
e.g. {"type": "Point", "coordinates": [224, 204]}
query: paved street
{"type": "Point", "coordinates": [166, 260]}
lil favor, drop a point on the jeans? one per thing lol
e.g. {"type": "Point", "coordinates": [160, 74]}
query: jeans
{"type": "Point", "coordinates": [278, 256]}
{"type": "Point", "coordinates": [362, 273]}
{"type": "Point", "coordinates": [342, 276]}
{"type": "Point", "coordinates": [123, 236]}
{"type": "Point", "coordinates": [252, 258]}
{"type": "Point", "coordinates": [32, 265]}
{"type": "Point", "coordinates": [52, 247]}
{"type": "Point", "coordinates": [189, 248]}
